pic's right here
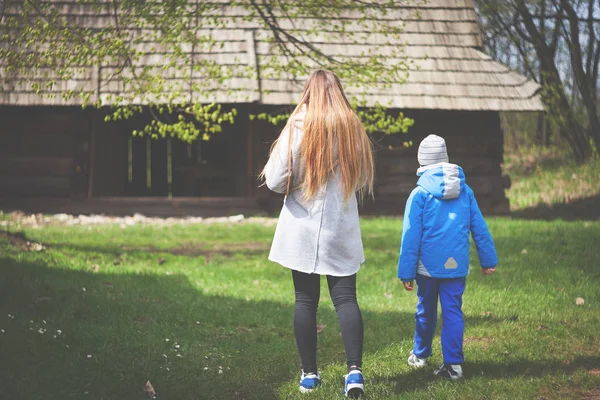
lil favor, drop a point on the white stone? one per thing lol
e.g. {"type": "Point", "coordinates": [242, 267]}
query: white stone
{"type": "Point", "coordinates": [236, 218]}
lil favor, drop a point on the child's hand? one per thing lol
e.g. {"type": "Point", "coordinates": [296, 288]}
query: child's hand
{"type": "Point", "coordinates": [488, 271]}
{"type": "Point", "coordinates": [408, 286]}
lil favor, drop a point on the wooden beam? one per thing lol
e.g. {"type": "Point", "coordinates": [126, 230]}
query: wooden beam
{"type": "Point", "coordinates": [37, 166]}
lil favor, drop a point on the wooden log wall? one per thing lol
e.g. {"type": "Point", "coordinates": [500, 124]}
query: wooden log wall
{"type": "Point", "coordinates": [43, 151]}
{"type": "Point", "coordinates": [474, 141]}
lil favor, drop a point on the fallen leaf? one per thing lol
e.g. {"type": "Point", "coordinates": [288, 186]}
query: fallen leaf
{"type": "Point", "coordinates": [149, 390]}
{"type": "Point", "coordinates": [524, 251]}
{"type": "Point", "coordinates": [95, 268]}
{"type": "Point", "coordinates": [539, 328]}
{"type": "Point", "coordinates": [388, 295]}
{"type": "Point", "coordinates": [595, 372]}
{"type": "Point", "coordinates": [579, 301]}
{"type": "Point", "coordinates": [320, 328]}
{"type": "Point", "coordinates": [487, 314]}
{"type": "Point", "coordinates": [161, 261]}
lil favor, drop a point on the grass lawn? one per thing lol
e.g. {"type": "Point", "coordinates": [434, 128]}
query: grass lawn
{"type": "Point", "coordinates": [200, 312]}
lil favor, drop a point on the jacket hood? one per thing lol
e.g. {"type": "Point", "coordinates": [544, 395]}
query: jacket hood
{"type": "Point", "coordinates": [444, 180]}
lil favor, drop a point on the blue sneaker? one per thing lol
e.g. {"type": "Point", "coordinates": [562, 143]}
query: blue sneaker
{"type": "Point", "coordinates": [355, 384]}
{"type": "Point", "coordinates": [309, 382]}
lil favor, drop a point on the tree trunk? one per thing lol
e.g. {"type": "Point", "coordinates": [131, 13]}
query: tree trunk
{"type": "Point", "coordinates": [583, 78]}
{"type": "Point", "coordinates": [554, 95]}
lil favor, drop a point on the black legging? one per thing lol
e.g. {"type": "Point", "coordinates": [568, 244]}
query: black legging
{"type": "Point", "coordinates": [343, 294]}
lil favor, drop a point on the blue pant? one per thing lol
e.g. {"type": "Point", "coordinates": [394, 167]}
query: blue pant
{"type": "Point", "coordinates": [450, 293]}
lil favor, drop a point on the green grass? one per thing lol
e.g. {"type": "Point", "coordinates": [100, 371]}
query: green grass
{"type": "Point", "coordinates": [525, 336]}
{"type": "Point", "coordinates": [547, 177]}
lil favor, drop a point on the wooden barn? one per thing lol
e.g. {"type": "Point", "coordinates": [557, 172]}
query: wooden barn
{"type": "Point", "coordinates": [56, 157]}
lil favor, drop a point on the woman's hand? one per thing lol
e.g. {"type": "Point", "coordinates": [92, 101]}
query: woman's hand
{"type": "Point", "coordinates": [408, 286]}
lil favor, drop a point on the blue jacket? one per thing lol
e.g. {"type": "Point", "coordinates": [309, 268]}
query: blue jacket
{"type": "Point", "coordinates": [440, 213]}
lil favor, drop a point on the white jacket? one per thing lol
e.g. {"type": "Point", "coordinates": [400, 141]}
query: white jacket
{"type": "Point", "coordinates": [321, 236]}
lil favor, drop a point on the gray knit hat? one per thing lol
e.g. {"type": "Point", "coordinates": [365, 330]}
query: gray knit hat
{"type": "Point", "coordinates": [432, 150]}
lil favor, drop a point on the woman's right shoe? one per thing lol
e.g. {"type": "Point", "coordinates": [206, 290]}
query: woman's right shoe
{"type": "Point", "coordinates": [354, 385]}
{"type": "Point", "coordinates": [309, 382]}
{"type": "Point", "coordinates": [415, 361]}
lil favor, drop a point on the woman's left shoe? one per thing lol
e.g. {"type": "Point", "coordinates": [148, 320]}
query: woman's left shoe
{"type": "Point", "coordinates": [354, 386]}
{"type": "Point", "coordinates": [309, 382]}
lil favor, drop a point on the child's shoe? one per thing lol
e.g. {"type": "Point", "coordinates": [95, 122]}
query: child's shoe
{"type": "Point", "coordinates": [309, 382]}
{"type": "Point", "coordinates": [451, 371]}
{"type": "Point", "coordinates": [415, 361]}
{"type": "Point", "coordinates": [354, 386]}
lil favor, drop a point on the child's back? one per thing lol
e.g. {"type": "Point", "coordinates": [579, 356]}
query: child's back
{"type": "Point", "coordinates": [440, 213]}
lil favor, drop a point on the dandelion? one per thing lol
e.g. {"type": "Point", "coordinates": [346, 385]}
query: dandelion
{"type": "Point", "coordinates": [197, 322]}
{"type": "Point", "coordinates": [168, 369]}
{"type": "Point", "coordinates": [206, 368]}
{"type": "Point", "coordinates": [167, 339]}
{"type": "Point", "coordinates": [2, 330]}
{"type": "Point", "coordinates": [84, 289]}
{"type": "Point", "coordinates": [178, 355]}
{"type": "Point", "coordinates": [31, 321]}
{"type": "Point", "coordinates": [59, 331]}
{"type": "Point", "coordinates": [44, 321]}
{"type": "Point", "coordinates": [164, 355]}
{"type": "Point", "coordinates": [67, 346]}
{"type": "Point", "coordinates": [220, 371]}
{"type": "Point", "coordinates": [54, 336]}
{"type": "Point", "coordinates": [89, 356]}
{"type": "Point", "coordinates": [177, 346]}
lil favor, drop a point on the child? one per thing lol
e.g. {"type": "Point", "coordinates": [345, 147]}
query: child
{"type": "Point", "coordinates": [320, 161]}
{"type": "Point", "coordinates": [439, 215]}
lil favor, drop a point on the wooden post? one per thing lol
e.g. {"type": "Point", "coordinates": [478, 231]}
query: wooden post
{"type": "Point", "coordinates": [90, 191]}
{"type": "Point", "coordinates": [250, 171]}
{"type": "Point", "coordinates": [93, 120]}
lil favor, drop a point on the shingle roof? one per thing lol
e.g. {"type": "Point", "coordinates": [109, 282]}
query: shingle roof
{"type": "Point", "coordinates": [443, 38]}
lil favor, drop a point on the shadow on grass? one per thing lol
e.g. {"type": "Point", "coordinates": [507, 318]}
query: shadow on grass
{"type": "Point", "coordinates": [418, 379]}
{"type": "Point", "coordinates": [585, 209]}
{"type": "Point", "coordinates": [114, 329]}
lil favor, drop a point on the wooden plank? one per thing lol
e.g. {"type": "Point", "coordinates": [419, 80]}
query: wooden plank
{"type": "Point", "coordinates": [149, 206]}
{"type": "Point", "coordinates": [37, 166]}
{"type": "Point", "coordinates": [402, 186]}
{"type": "Point", "coordinates": [407, 166]}
{"type": "Point", "coordinates": [55, 186]}
{"type": "Point", "coordinates": [31, 144]}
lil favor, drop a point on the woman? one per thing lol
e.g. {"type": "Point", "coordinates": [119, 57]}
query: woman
{"type": "Point", "coordinates": [321, 159]}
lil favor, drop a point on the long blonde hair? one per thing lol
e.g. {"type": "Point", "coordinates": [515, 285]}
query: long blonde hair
{"type": "Point", "coordinates": [334, 137]}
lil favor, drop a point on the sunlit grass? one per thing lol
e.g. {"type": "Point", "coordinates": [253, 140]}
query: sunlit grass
{"type": "Point", "coordinates": [548, 177]}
